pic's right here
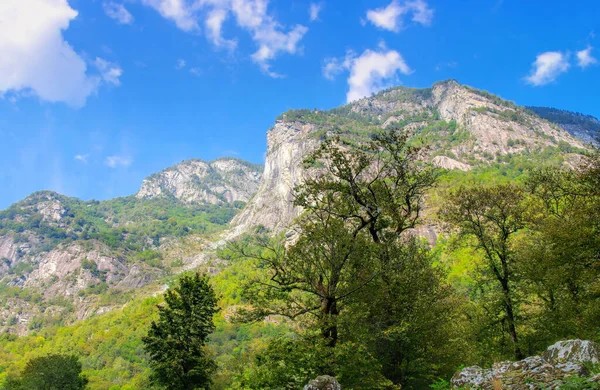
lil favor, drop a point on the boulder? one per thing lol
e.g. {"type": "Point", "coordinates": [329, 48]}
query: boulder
{"type": "Point", "coordinates": [548, 371]}
{"type": "Point", "coordinates": [324, 382]}
{"type": "Point", "coordinates": [573, 351]}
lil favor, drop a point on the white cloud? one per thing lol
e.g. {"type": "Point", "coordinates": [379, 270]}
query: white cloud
{"type": "Point", "coordinates": [392, 17]}
{"type": "Point", "coordinates": [547, 67]}
{"type": "Point", "coordinates": [314, 11]}
{"type": "Point", "coordinates": [82, 157]}
{"type": "Point", "coordinates": [110, 72]}
{"type": "Point", "coordinates": [177, 11]}
{"type": "Point", "coordinates": [271, 37]}
{"type": "Point", "coordinates": [585, 59]}
{"type": "Point", "coordinates": [334, 66]}
{"type": "Point", "coordinates": [34, 57]}
{"type": "Point", "coordinates": [118, 161]}
{"type": "Point", "coordinates": [180, 64]}
{"type": "Point", "coordinates": [370, 72]}
{"type": "Point", "coordinates": [117, 12]}
{"type": "Point", "coordinates": [214, 25]}
{"type": "Point", "coordinates": [196, 71]}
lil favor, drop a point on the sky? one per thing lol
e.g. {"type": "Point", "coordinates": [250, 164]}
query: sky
{"type": "Point", "coordinates": [96, 95]}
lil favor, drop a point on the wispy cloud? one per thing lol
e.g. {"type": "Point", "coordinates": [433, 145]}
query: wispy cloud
{"type": "Point", "coordinates": [82, 157]}
{"type": "Point", "coordinates": [547, 67]}
{"type": "Point", "coordinates": [117, 12]}
{"type": "Point", "coordinates": [314, 11]}
{"type": "Point", "coordinates": [118, 161]}
{"type": "Point", "coordinates": [370, 72]}
{"type": "Point", "coordinates": [271, 37]}
{"type": "Point", "coordinates": [392, 16]}
{"type": "Point", "coordinates": [585, 58]}
{"type": "Point", "coordinates": [177, 11]}
{"type": "Point", "coordinates": [180, 64]}
{"type": "Point", "coordinates": [109, 71]}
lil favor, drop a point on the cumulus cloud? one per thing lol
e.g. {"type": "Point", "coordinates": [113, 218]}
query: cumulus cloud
{"type": "Point", "coordinates": [314, 11]}
{"type": "Point", "coordinates": [547, 67]}
{"type": "Point", "coordinates": [370, 72]}
{"type": "Point", "coordinates": [585, 59]}
{"type": "Point", "coordinates": [392, 16]}
{"type": "Point", "coordinates": [270, 36]}
{"type": "Point", "coordinates": [35, 59]}
{"type": "Point", "coordinates": [117, 12]}
{"type": "Point", "coordinates": [118, 161]}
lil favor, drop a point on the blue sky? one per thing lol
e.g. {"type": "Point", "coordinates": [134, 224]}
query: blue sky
{"type": "Point", "coordinates": [95, 95]}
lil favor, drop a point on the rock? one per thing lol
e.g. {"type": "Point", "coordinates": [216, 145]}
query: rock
{"type": "Point", "coordinates": [489, 125]}
{"type": "Point", "coordinates": [324, 382]}
{"type": "Point", "coordinates": [561, 360]}
{"type": "Point", "coordinates": [573, 351]}
{"type": "Point", "coordinates": [472, 376]}
{"type": "Point", "coordinates": [224, 180]}
{"type": "Point", "coordinates": [449, 163]}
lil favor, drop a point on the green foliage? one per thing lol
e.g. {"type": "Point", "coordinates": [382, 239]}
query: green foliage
{"type": "Point", "coordinates": [176, 342]}
{"type": "Point", "coordinates": [124, 224]}
{"type": "Point", "coordinates": [51, 372]}
{"type": "Point", "coordinates": [290, 363]}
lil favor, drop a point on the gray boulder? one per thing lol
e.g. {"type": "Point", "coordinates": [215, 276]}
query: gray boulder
{"type": "Point", "coordinates": [561, 360]}
{"type": "Point", "coordinates": [324, 382]}
{"type": "Point", "coordinates": [573, 351]}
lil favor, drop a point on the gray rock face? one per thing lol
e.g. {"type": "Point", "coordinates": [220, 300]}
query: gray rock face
{"type": "Point", "coordinates": [288, 145]}
{"type": "Point", "coordinates": [561, 360]}
{"type": "Point", "coordinates": [494, 126]}
{"type": "Point", "coordinates": [324, 382]}
{"type": "Point", "coordinates": [223, 180]}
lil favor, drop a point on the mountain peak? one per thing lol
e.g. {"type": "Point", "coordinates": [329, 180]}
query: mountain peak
{"type": "Point", "coordinates": [226, 179]}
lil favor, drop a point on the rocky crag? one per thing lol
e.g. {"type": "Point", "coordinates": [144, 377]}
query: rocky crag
{"type": "Point", "coordinates": [223, 180]}
{"type": "Point", "coordinates": [464, 127]}
{"type": "Point", "coordinates": [562, 363]}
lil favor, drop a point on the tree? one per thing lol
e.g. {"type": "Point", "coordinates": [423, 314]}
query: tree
{"type": "Point", "coordinates": [364, 196]}
{"type": "Point", "coordinates": [492, 216]}
{"type": "Point", "coordinates": [352, 249]}
{"type": "Point", "coordinates": [562, 252]}
{"type": "Point", "coordinates": [52, 372]}
{"type": "Point", "coordinates": [176, 342]}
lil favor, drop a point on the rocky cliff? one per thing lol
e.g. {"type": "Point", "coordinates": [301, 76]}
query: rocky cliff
{"type": "Point", "coordinates": [192, 181]}
{"type": "Point", "coordinates": [582, 126]}
{"type": "Point", "coordinates": [464, 127]}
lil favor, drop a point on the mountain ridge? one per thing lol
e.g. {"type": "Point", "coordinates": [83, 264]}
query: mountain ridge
{"type": "Point", "coordinates": [55, 246]}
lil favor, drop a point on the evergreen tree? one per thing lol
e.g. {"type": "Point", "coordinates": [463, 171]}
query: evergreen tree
{"type": "Point", "coordinates": [176, 342]}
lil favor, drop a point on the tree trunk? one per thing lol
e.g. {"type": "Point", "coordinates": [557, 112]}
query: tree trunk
{"type": "Point", "coordinates": [510, 316]}
{"type": "Point", "coordinates": [329, 329]}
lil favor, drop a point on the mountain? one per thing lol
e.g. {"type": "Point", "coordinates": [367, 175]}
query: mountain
{"type": "Point", "coordinates": [579, 125]}
{"type": "Point", "coordinates": [466, 128]}
{"type": "Point", "coordinates": [223, 180]}
{"type": "Point", "coordinates": [63, 259]}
